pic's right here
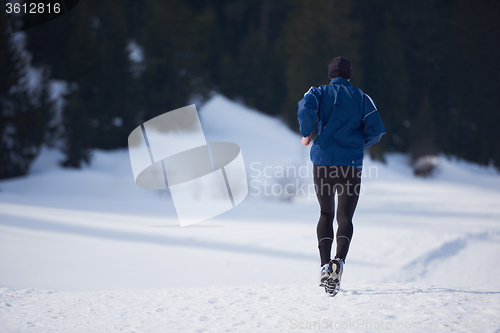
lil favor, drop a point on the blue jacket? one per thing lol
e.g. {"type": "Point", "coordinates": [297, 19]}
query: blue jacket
{"type": "Point", "coordinates": [347, 122]}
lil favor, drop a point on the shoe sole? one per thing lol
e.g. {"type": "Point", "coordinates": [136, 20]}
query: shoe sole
{"type": "Point", "coordinates": [332, 286]}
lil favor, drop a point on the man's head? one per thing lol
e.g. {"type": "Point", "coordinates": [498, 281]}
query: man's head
{"type": "Point", "coordinates": [340, 66]}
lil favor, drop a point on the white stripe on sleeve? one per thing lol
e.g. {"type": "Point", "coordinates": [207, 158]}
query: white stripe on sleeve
{"type": "Point", "coordinates": [373, 104]}
{"type": "Point", "coordinates": [369, 113]}
{"type": "Point", "coordinates": [371, 101]}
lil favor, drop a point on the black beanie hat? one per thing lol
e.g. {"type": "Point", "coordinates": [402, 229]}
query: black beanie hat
{"type": "Point", "coordinates": [340, 66]}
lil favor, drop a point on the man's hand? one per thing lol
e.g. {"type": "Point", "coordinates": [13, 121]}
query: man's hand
{"type": "Point", "coordinates": [306, 140]}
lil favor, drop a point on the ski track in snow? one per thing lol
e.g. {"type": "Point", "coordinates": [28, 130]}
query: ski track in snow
{"type": "Point", "coordinates": [89, 251]}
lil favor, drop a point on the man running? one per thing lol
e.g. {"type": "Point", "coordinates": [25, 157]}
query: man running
{"type": "Point", "coordinates": [346, 121]}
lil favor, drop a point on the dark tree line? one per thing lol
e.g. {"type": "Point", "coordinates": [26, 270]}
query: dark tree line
{"type": "Point", "coordinates": [430, 65]}
{"type": "Point", "coordinates": [23, 111]}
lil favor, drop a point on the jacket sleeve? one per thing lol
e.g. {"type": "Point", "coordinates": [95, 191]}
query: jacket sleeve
{"type": "Point", "coordinates": [371, 119]}
{"type": "Point", "coordinates": [308, 107]}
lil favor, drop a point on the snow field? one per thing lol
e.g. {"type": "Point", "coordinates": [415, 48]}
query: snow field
{"type": "Point", "coordinates": [254, 308]}
{"type": "Point", "coordinates": [88, 250]}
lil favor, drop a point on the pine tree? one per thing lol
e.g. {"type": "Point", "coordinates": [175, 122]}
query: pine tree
{"type": "Point", "coordinates": [388, 83]}
{"type": "Point", "coordinates": [473, 114]}
{"type": "Point", "coordinates": [166, 82]}
{"type": "Point", "coordinates": [23, 119]}
{"type": "Point", "coordinates": [423, 130]}
{"type": "Point", "coordinates": [254, 71]}
{"type": "Point", "coordinates": [98, 112]}
{"type": "Point", "coordinates": [315, 33]}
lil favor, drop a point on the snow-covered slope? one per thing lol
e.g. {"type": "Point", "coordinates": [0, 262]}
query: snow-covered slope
{"type": "Point", "coordinates": [114, 257]}
{"type": "Point", "coordinates": [262, 138]}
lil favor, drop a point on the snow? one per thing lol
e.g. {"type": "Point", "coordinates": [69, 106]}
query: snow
{"type": "Point", "coordinates": [256, 308]}
{"type": "Point", "coordinates": [135, 52]}
{"type": "Point", "coordinates": [136, 58]}
{"type": "Point", "coordinates": [88, 250]}
{"type": "Point", "coordinates": [31, 76]}
{"type": "Point", "coordinates": [57, 90]}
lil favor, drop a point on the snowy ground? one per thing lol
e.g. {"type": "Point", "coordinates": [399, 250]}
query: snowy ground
{"type": "Point", "coordinates": [88, 250]}
{"type": "Point", "coordinates": [257, 308]}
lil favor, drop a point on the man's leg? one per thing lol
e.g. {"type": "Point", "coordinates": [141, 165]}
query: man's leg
{"type": "Point", "coordinates": [348, 195]}
{"type": "Point", "coordinates": [325, 194]}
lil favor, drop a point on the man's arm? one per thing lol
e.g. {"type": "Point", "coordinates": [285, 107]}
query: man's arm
{"type": "Point", "coordinates": [371, 119]}
{"type": "Point", "coordinates": [306, 115]}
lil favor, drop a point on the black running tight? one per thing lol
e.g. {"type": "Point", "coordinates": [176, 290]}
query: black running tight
{"type": "Point", "coordinates": [346, 182]}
